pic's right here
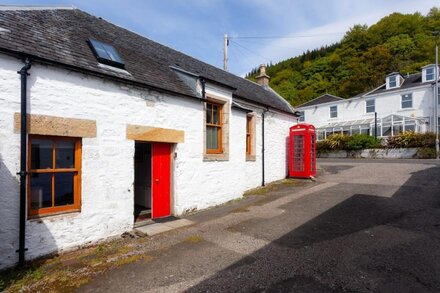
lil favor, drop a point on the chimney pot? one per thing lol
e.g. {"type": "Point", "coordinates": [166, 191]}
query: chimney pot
{"type": "Point", "coordinates": [263, 78]}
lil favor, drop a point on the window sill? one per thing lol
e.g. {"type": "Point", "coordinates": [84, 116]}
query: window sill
{"type": "Point", "coordinates": [406, 109]}
{"type": "Point", "coordinates": [215, 157]}
{"type": "Point", "coordinates": [54, 216]}
{"type": "Point", "coordinates": [251, 158]}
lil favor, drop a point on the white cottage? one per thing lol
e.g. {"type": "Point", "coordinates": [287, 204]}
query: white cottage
{"type": "Point", "coordinates": [119, 129]}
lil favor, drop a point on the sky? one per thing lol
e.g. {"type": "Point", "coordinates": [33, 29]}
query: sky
{"type": "Point", "coordinates": [197, 27]}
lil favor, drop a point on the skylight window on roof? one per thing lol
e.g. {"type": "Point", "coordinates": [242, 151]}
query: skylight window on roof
{"type": "Point", "coordinates": [106, 54]}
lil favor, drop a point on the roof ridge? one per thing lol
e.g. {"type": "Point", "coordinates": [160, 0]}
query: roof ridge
{"type": "Point", "coordinates": [314, 99]}
{"type": "Point", "coordinates": [6, 7]}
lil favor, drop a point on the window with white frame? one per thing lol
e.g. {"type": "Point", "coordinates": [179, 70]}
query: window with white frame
{"type": "Point", "coordinates": [302, 116]}
{"type": "Point", "coordinates": [393, 81]}
{"type": "Point", "coordinates": [430, 73]}
{"type": "Point", "coordinates": [370, 106]}
{"type": "Point", "coordinates": [407, 101]}
{"type": "Point", "coordinates": [333, 111]}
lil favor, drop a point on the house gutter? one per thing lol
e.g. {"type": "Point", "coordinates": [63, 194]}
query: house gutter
{"type": "Point", "coordinates": [23, 152]}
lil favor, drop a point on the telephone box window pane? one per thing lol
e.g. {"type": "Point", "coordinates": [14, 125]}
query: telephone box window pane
{"type": "Point", "coordinates": [298, 153]}
{"type": "Point", "coordinates": [63, 189]}
{"type": "Point", "coordinates": [65, 154]}
{"type": "Point", "coordinates": [41, 154]}
{"type": "Point", "coordinates": [41, 190]}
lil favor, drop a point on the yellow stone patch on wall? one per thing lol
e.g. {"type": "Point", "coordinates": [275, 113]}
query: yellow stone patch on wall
{"type": "Point", "coordinates": [155, 134]}
{"type": "Point", "coordinates": [56, 126]}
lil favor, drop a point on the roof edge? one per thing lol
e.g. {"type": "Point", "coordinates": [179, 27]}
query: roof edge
{"type": "Point", "coordinates": [36, 7]}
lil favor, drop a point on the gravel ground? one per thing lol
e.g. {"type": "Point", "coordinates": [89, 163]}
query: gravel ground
{"type": "Point", "coordinates": [363, 226]}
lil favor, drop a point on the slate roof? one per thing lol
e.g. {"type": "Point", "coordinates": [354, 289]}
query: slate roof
{"type": "Point", "coordinates": [60, 36]}
{"type": "Point", "coordinates": [410, 81]}
{"type": "Point", "coordinates": [326, 98]}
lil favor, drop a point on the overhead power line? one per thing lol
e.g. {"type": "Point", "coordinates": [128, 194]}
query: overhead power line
{"type": "Point", "coordinates": [247, 49]}
{"type": "Point", "coordinates": [286, 37]}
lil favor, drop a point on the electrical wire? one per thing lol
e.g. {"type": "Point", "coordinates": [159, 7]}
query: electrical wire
{"type": "Point", "coordinates": [285, 37]}
{"type": "Point", "coordinates": [249, 50]}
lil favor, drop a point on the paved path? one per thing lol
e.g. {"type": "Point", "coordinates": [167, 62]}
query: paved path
{"type": "Point", "coordinates": [363, 226]}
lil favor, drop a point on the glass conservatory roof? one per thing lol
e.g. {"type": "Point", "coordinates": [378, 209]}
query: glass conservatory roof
{"type": "Point", "coordinates": [369, 121]}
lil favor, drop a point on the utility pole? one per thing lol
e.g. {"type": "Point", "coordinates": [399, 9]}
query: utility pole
{"type": "Point", "coordinates": [436, 33]}
{"type": "Point", "coordinates": [225, 52]}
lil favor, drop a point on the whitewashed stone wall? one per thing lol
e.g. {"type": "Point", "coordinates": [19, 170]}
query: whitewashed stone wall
{"type": "Point", "coordinates": [107, 163]}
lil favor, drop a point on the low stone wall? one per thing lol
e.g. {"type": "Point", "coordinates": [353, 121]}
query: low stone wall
{"type": "Point", "coordinates": [404, 153]}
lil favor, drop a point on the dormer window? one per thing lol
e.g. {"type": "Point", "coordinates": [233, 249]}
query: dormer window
{"type": "Point", "coordinates": [106, 54]}
{"type": "Point", "coordinates": [393, 81]}
{"type": "Point", "coordinates": [428, 73]}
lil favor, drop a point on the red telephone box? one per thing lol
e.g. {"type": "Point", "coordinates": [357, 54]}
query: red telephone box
{"type": "Point", "coordinates": [302, 151]}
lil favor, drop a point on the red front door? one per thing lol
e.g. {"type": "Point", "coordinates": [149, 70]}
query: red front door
{"type": "Point", "coordinates": [161, 155]}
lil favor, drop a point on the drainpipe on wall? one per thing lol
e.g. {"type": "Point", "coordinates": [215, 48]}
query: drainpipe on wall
{"type": "Point", "coordinates": [23, 153]}
{"type": "Point", "coordinates": [263, 183]}
{"type": "Point", "coordinates": [203, 82]}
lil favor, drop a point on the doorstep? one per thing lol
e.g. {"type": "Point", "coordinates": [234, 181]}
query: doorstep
{"type": "Point", "coordinates": [157, 228]}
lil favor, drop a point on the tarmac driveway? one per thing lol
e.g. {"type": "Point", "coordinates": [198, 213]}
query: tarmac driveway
{"type": "Point", "coordinates": [365, 225]}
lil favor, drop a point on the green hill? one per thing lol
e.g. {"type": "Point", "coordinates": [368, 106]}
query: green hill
{"type": "Point", "coordinates": [360, 61]}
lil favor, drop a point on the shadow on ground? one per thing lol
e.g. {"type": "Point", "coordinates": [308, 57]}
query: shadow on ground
{"type": "Point", "coordinates": [365, 243]}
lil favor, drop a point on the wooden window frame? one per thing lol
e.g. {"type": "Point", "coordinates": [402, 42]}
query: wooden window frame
{"type": "Point", "coordinates": [249, 135]}
{"type": "Point", "coordinates": [76, 206]}
{"type": "Point", "coordinates": [219, 126]}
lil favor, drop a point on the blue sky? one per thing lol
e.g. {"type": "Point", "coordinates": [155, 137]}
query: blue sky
{"type": "Point", "coordinates": [196, 27]}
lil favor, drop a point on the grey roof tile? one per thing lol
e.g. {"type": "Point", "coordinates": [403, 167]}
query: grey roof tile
{"type": "Point", "coordinates": [60, 35]}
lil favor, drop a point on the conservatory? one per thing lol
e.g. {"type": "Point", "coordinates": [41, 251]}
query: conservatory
{"type": "Point", "coordinates": [387, 126]}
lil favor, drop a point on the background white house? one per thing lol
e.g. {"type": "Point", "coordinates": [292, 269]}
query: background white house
{"type": "Point", "coordinates": [402, 103]}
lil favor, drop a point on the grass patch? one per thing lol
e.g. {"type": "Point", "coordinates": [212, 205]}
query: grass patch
{"type": "Point", "coordinates": [68, 271]}
{"type": "Point", "coordinates": [194, 239]}
{"type": "Point", "coordinates": [16, 278]}
{"type": "Point", "coordinates": [273, 186]}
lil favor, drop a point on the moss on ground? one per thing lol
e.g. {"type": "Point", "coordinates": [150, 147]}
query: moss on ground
{"type": "Point", "coordinates": [68, 271]}
{"type": "Point", "coordinates": [194, 239]}
{"type": "Point", "coordinates": [274, 186]}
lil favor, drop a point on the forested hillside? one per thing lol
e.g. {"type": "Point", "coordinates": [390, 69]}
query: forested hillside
{"type": "Point", "coordinates": [360, 61]}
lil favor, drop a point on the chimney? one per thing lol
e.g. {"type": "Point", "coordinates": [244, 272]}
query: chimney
{"type": "Point", "coordinates": [263, 78]}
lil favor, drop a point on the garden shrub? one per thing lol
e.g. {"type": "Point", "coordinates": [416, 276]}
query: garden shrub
{"type": "Point", "coordinates": [410, 139]}
{"type": "Point", "coordinates": [361, 142]}
{"type": "Point", "coordinates": [338, 141]}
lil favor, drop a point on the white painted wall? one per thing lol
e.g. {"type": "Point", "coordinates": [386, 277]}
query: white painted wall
{"type": "Point", "coordinates": [107, 162]}
{"type": "Point", "coordinates": [386, 104]}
